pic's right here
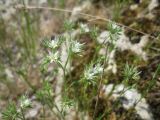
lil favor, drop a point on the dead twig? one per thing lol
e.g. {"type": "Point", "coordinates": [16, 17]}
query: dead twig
{"type": "Point", "coordinates": [20, 6]}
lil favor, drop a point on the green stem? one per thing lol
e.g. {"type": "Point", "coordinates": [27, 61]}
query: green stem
{"type": "Point", "coordinates": [51, 108]}
{"type": "Point", "coordinates": [44, 114]}
{"type": "Point", "coordinates": [23, 116]}
{"type": "Point", "coordinates": [99, 87]}
{"type": "Point", "coordinates": [61, 114]}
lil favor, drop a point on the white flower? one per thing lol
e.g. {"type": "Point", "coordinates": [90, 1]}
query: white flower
{"type": "Point", "coordinates": [89, 74]}
{"type": "Point", "coordinates": [76, 47]}
{"type": "Point", "coordinates": [98, 69]}
{"type": "Point", "coordinates": [115, 32]}
{"type": "Point", "coordinates": [56, 42]}
{"type": "Point", "coordinates": [84, 27]}
{"type": "Point", "coordinates": [53, 57]}
{"type": "Point", "coordinates": [53, 44]}
{"type": "Point", "coordinates": [115, 26]}
{"type": "Point", "coordinates": [24, 102]}
{"type": "Point", "coordinates": [93, 72]}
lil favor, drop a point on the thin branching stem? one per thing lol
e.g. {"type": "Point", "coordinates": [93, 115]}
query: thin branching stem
{"type": "Point", "coordinates": [44, 113]}
{"type": "Point", "coordinates": [23, 116]}
{"type": "Point", "coordinates": [100, 84]}
{"type": "Point", "coordinates": [51, 108]}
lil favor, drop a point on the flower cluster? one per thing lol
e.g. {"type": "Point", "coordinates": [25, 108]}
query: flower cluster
{"type": "Point", "coordinates": [84, 28]}
{"type": "Point", "coordinates": [76, 47]}
{"type": "Point", "coordinates": [92, 73]}
{"type": "Point", "coordinates": [14, 113]}
{"type": "Point", "coordinates": [114, 32]}
{"type": "Point", "coordinates": [24, 102]}
{"type": "Point", "coordinates": [53, 57]}
{"type": "Point", "coordinates": [55, 43]}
